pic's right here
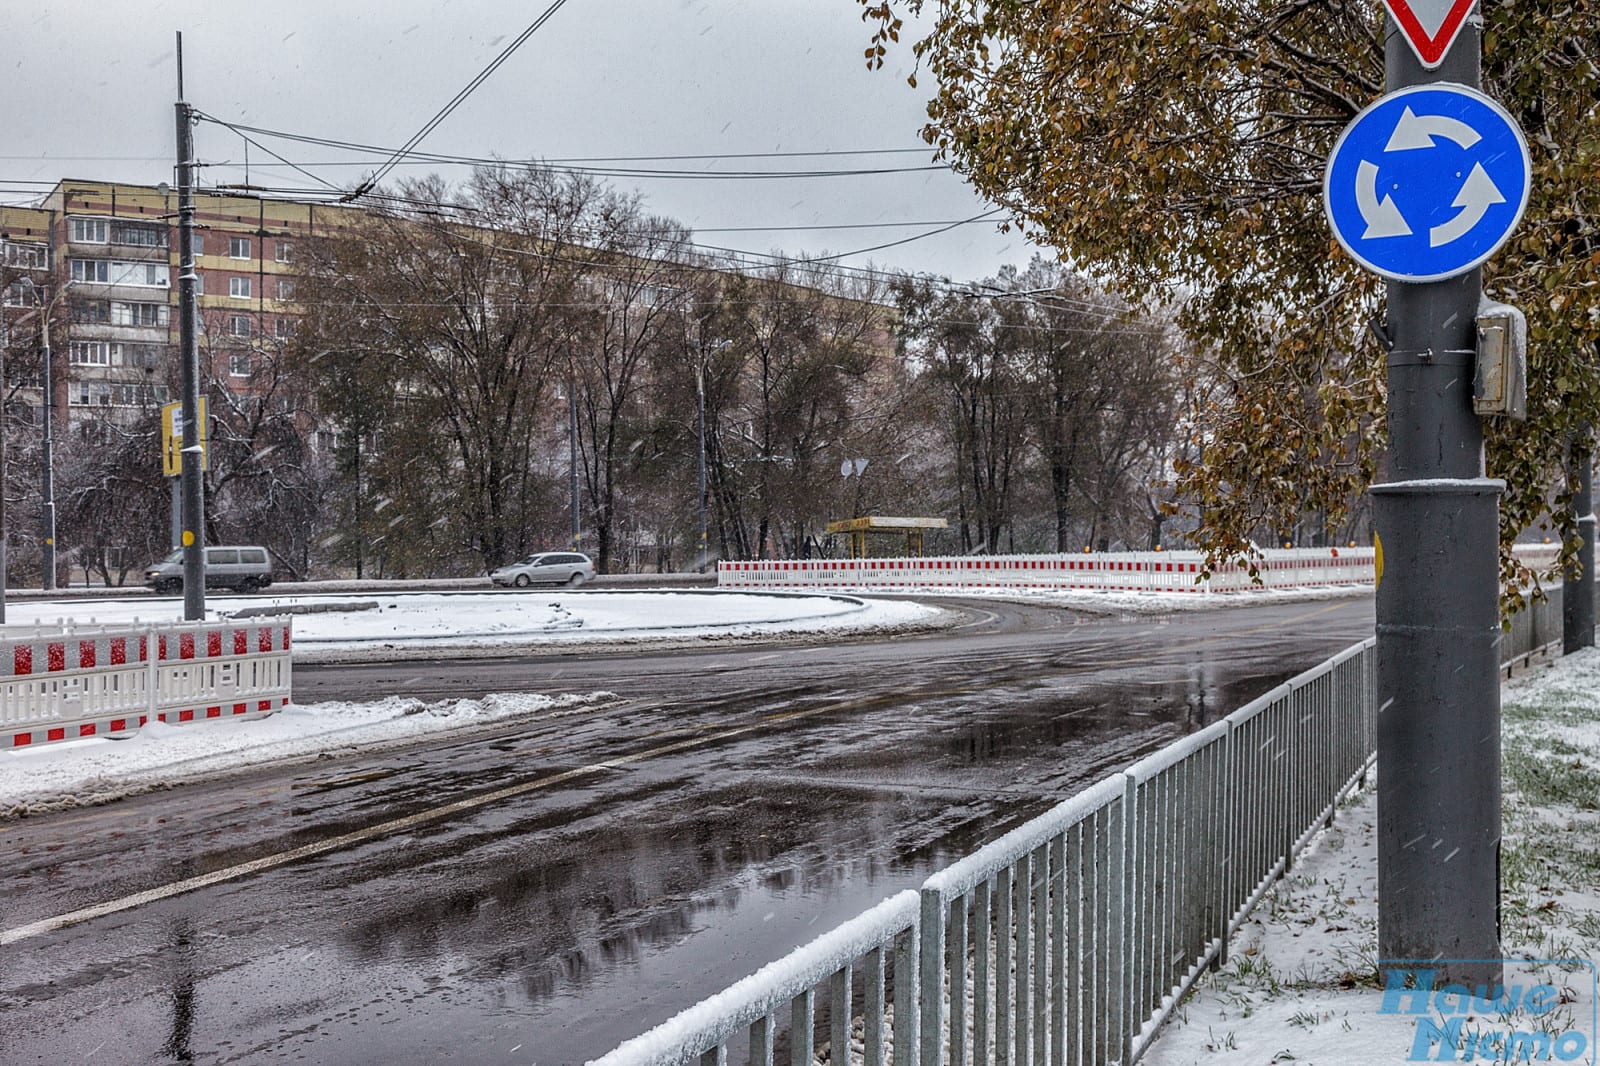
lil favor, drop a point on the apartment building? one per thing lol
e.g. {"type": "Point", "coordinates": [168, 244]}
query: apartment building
{"type": "Point", "coordinates": [104, 257]}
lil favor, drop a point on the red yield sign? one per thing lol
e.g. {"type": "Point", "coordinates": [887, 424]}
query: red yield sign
{"type": "Point", "coordinates": [1429, 26]}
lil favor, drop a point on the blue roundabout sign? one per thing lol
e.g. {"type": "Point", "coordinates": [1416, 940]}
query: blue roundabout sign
{"type": "Point", "coordinates": [1427, 182]}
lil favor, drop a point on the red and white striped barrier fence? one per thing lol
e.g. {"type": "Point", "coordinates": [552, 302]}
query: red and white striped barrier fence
{"type": "Point", "coordinates": [76, 681]}
{"type": "Point", "coordinates": [1175, 571]}
{"type": "Point", "coordinates": [1118, 572]}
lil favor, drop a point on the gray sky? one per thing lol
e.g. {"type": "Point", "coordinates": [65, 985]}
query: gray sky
{"type": "Point", "coordinates": [90, 86]}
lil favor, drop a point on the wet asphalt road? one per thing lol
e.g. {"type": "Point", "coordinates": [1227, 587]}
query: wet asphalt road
{"type": "Point", "coordinates": [754, 798]}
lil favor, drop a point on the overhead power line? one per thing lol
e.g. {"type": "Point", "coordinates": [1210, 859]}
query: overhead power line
{"type": "Point", "coordinates": [457, 100]}
{"type": "Point", "coordinates": [577, 165]}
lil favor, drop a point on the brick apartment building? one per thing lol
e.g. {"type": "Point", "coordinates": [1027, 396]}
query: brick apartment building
{"type": "Point", "coordinates": [103, 257]}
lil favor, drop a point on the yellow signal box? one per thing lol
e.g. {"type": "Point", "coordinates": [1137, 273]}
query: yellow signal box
{"type": "Point", "coordinates": [172, 439]}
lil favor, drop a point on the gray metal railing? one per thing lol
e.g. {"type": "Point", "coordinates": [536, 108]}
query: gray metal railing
{"type": "Point", "coordinates": [1533, 630]}
{"type": "Point", "coordinates": [1072, 938]}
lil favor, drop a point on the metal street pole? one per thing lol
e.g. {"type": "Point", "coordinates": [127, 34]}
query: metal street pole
{"type": "Point", "coordinates": [700, 405]}
{"type": "Point", "coordinates": [192, 478]}
{"type": "Point", "coordinates": [47, 485]}
{"type": "Point", "coordinates": [1438, 620]}
{"type": "Point", "coordinates": [1577, 592]}
{"type": "Point", "coordinates": [572, 459]}
{"type": "Point", "coordinates": [5, 341]}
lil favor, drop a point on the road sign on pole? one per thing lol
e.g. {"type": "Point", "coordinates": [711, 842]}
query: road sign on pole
{"type": "Point", "coordinates": [1427, 183]}
{"type": "Point", "coordinates": [1429, 26]}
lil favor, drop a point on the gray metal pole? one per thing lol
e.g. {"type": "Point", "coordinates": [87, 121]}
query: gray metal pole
{"type": "Point", "coordinates": [1438, 621]}
{"type": "Point", "coordinates": [572, 460]}
{"type": "Point", "coordinates": [1577, 593]}
{"type": "Point", "coordinates": [176, 532]}
{"type": "Point", "coordinates": [5, 340]}
{"type": "Point", "coordinates": [700, 397]}
{"type": "Point", "coordinates": [193, 536]}
{"type": "Point", "coordinates": [47, 486]}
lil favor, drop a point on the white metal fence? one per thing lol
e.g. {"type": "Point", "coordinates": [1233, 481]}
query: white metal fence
{"type": "Point", "coordinates": [1072, 938]}
{"type": "Point", "coordinates": [73, 681]}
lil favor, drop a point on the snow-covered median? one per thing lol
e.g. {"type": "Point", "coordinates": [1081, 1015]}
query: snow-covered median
{"type": "Point", "coordinates": [337, 626]}
{"type": "Point", "coordinates": [1302, 985]}
{"type": "Point", "coordinates": [84, 772]}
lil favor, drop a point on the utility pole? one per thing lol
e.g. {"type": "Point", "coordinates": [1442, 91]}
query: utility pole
{"type": "Point", "coordinates": [700, 408]}
{"type": "Point", "coordinates": [572, 459]}
{"type": "Point", "coordinates": [5, 341]}
{"type": "Point", "coordinates": [47, 484]}
{"type": "Point", "coordinates": [192, 478]}
{"type": "Point", "coordinates": [1577, 591]}
{"type": "Point", "coordinates": [1438, 623]}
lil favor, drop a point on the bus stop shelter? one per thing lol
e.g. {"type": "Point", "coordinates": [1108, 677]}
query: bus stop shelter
{"type": "Point", "coordinates": [911, 528]}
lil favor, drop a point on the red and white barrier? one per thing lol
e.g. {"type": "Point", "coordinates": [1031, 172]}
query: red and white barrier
{"type": "Point", "coordinates": [86, 681]}
{"type": "Point", "coordinates": [1175, 571]}
{"type": "Point", "coordinates": [1117, 572]}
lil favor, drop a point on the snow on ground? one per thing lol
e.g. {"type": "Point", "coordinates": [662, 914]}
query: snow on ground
{"type": "Point", "coordinates": [1111, 601]}
{"type": "Point", "coordinates": [335, 626]}
{"type": "Point", "coordinates": [97, 770]}
{"type": "Point", "coordinates": [1301, 983]}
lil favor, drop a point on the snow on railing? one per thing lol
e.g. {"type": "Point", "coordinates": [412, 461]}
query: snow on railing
{"type": "Point", "coordinates": [1073, 937]}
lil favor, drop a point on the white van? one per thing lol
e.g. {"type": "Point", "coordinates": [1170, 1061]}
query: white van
{"type": "Point", "coordinates": [242, 567]}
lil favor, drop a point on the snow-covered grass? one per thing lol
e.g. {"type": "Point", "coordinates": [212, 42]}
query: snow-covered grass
{"type": "Point", "coordinates": [1302, 983]}
{"type": "Point", "coordinates": [337, 626]}
{"type": "Point", "coordinates": [85, 772]}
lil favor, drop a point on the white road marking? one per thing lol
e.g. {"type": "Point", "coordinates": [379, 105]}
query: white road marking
{"type": "Point", "coordinates": [322, 847]}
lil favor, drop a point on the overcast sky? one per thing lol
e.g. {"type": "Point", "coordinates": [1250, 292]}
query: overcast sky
{"type": "Point", "coordinates": [89, 87]}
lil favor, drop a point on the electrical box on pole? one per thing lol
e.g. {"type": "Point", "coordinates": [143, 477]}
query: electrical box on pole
{"type": "Point", "coordinates": [1501, 386]}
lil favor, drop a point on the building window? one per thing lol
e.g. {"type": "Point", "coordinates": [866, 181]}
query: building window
{"type": "Point", "coordinates": [285, 252]}
{"type": "Point", "coordinates": [199, 245]}
{"type": "Point", "coordinates": [120, 272]}
{"type": "Point", "coordinates": [199, 283]}
{"type": "Point", "coordinates": [239, 326]}
{"type": "Point", "coordinates": [92, 353]}
{"type": "Point", "coordinates": [285, 288]}
{"type": "Point", "coordinates": [142, 356]}
{"type": "Point", "coordinates": [239, 288]}
{"type": "Point", "coordinates": [11, 296]}
{"type": "Point", "coordinates": [23, 256]}
{"type": "Point", "coordinates": [128, 314]}
{"type": "Point", "coordinates": [238, 247]}
{"type": "Point", "coordinates": [103, 394]}
{"type": "Point", "coordinates": [88, 230]}
{"type": "Point", "coordinates": [95, 270]}
{"type": "Point", "coordinates": [284, 327]}
{"type": "Point", "coordinates": [91, 312]}
{"type": "Point", "coordinates": [239, 364]}
{"type": "Point", "coordinates": [141, 234]}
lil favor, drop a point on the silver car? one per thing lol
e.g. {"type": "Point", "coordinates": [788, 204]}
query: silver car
{"type": "Point", "coordinates": [242, 567]}
{"type": "Point", "coordinates": [550, 568]}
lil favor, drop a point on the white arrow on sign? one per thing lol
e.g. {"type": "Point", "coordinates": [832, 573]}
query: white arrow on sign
{"type": "Point", "coordinates": [1477, 195]}
{"type": "Point", "coordinates": [1382, 217]}
{"type": "Point", "coordinates": [1413, 132]}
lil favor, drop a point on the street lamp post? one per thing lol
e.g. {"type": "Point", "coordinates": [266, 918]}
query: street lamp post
{"type": "Point", "coordinates": [47, 484]}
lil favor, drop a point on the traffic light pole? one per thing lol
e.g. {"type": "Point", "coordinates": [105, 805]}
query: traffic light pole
{"type": "Point", "coordinates": [1438, 621]}
{"type": "Point", "coordinates": [192, 478]}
